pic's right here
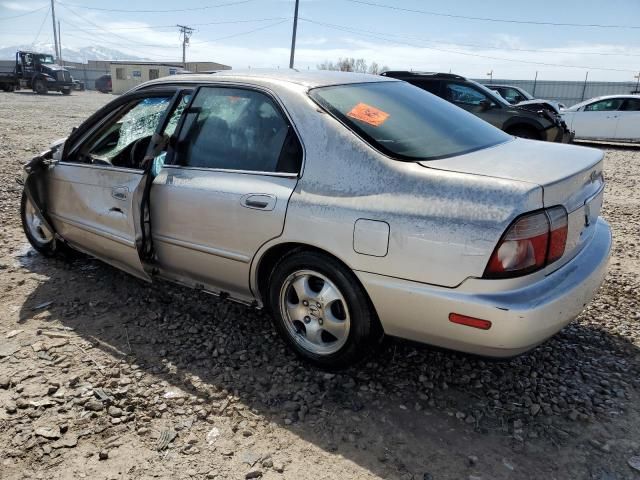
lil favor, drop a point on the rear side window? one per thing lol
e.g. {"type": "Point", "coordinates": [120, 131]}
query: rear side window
{"type": "Point", "coordinates": [431, 86]}
{"type": "Point", "coordinates": [406, 122]}
{"type": "Point", "coordinates": [237, 129]}
{"type": "Point", "coordinates": [631, 105]}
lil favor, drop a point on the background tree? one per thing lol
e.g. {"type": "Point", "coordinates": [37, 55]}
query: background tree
{"type": "Point", "coordinates": [358, 65]}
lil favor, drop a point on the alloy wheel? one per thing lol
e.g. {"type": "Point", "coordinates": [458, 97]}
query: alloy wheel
{"type": "Point", "coordinates": [315, 312]}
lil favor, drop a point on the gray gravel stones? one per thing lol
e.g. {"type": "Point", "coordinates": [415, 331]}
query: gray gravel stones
{"type": "Point", "coordinates": [50, 433]}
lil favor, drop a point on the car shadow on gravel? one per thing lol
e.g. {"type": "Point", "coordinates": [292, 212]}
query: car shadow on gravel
{"type": "Point", "coordinates": [409, 410]}
{"type": "Point", "coordinates": [632, 147]}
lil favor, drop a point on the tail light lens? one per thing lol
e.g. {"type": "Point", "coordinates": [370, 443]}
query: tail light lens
{"type": "Point", "coordinates": [530, 243]}
{"type": "Point", "coordinates": [558, 228]}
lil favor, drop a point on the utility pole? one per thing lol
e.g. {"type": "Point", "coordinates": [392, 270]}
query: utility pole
{"type": "Point", "coordinates": [186, 35]}
{"type": "Point", "coordinates": [55, 31]}
{"type": "Point", "coordinates": [293, 36]}
{"type": "Point", "coordinates": [490, 75]}
{"type": "Point", "coordinates": [60, 44]}
{"type": "Point", "coordinates": [535, 82]}
{"type": "Point", "coordinates": [637, 90]}
{"type": "Point", "coordinates": [584, 87]}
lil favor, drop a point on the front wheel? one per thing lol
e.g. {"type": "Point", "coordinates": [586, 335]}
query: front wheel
{"type": "Point", "coordinates": [321, 311]}
{"type": "Point", "coordinates": [39, 236]}
{"type": "Point", "coordinates": [524, 132]}
{"type": "Point", "coordinates": [40, 87]}
{"type": "Point", "coordinates": [66, 91]}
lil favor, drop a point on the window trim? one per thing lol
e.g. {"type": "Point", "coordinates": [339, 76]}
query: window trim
{"type": "Point", "coordinates": [171, 160]}
{"type": "Point", "coordinates": [229, 170]}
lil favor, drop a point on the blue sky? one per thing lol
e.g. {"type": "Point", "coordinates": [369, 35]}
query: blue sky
{"type": "Point", "coordinates": [257, 33]}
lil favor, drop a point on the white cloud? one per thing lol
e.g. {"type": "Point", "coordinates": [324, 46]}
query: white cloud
{"type": "Point", "coordinates": [22, 6]}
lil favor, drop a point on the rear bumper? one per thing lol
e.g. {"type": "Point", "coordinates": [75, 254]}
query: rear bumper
{"type": "Point", "coordinates": [521, 317]}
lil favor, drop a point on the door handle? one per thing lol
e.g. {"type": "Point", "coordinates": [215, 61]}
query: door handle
{"type": "Point", "coordinates": [259, 201]}
{"type": "Point", "coordinates": [256, 203]}
{"type": "Point", "coordinates": [120, 193]}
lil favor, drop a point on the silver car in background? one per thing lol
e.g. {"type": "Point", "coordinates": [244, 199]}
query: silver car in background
{"type": "Point", "coordinates": [351, 206]}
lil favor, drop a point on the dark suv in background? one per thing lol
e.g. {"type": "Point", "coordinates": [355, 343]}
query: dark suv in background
{"type": "Point", "coordinates": [479, 100]}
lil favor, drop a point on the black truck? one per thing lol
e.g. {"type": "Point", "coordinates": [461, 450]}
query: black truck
{"type": "Point", "coordinates": [37, 71]}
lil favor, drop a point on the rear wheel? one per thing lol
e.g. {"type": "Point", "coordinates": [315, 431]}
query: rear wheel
{"type": "Point", "coordinates": [40, 87]}
{"type": "Point", "coordinates": [66, 91]}
{"type": "Point", "coordinates": [321, 311]}
{"type": "Point", "coordinates": [524, 131]}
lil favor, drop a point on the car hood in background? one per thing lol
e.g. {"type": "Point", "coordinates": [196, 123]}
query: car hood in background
{"type": "Point", "coordinates": [541, 102]}
{"type": "Point", "coordinates": [562, 170]}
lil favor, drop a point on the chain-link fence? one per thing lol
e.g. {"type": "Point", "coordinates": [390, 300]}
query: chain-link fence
{"type": "Point", "coordinates": [568, 93]}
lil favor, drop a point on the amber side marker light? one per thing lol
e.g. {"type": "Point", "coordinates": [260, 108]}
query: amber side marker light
{"type": "Point", "coordinates": [469, 321]}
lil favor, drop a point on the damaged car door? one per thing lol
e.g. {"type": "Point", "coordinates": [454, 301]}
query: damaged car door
{"type": "Point", "coordinates": [96, 189]}
{"type": "Point", "coordinates": [224, 188]}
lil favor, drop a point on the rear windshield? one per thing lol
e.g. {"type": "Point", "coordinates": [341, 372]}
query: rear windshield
{"type": "Point", "coordinates": [405, 122]}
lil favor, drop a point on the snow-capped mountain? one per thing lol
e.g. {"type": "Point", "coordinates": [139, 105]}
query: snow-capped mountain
{"type": "Point", "coordinates": [71, 54]}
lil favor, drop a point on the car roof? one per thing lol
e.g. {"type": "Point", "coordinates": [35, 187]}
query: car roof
{"type": "Point", "coordinates": [306, 78]}
{"type": "Point", "coordinates": [412, 73]}
{"type": "Point", "coordinates": [603, 97]}
{"type": "Point", "coordinates": [501, 85]}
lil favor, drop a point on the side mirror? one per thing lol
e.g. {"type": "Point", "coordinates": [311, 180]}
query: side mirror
{"type": "Point", "coordinates": [485, 105]}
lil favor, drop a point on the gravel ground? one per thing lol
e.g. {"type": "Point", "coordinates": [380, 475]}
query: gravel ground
{"type": "Point", "coordinates": [104, 376]}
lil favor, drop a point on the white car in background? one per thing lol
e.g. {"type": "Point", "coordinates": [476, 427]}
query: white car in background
{"type": "Point", "coordinates": [612, 117]}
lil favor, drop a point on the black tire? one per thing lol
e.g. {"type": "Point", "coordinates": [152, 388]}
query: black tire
{"type": "Point", "coordinates": [66, 91]}
{"type": "Point", "coordinates": [46, 248]}
{"type": "Point", "coordinates": [524, 131]}
{"type": "Point", "coordinates": [364, 327]}
{"type": "Point", "coordinates": [40, 87]}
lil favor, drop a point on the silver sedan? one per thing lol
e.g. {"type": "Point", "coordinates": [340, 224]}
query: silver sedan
{"type": "Point", "coordinates": [351, 206]}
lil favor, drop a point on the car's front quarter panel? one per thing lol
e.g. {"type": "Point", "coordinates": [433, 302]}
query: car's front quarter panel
{"type": "Point", "coordinates": [443, 226]}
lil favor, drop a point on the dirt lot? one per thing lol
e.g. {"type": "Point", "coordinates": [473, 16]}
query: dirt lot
{"type": "Point", "coordinates": [104, 376]}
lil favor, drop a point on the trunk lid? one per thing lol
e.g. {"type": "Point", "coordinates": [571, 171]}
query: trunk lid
{"type": "Point", "coordinates": [569, 175]}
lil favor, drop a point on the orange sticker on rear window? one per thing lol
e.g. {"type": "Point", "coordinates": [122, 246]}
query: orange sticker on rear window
{"type": "Point", "coordinates": [368, 114]}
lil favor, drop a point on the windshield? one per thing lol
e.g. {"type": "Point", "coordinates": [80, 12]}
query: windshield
{"type": "Point", "coordinates": [406, 122]}
{"type": "Point", "coordinates": [45, 59]}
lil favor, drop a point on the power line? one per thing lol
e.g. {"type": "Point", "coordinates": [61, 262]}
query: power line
{"type": "Point", "coordinates": [228, 22]}
{"type": "Point", "coordinates": [379, 36]}
{"type": "Point", "coordinates": [93, 38]}
{"type": "Point", "coordinates": [40, 29]}
{"type": "Point", "coordinates": [492, 47]}
{"type": "Point", "coordinates": [206, 7]}
{"type": "Point", "coordinates": [489, 19]}
{"type": "Point", "coordinates": [110, 33]}
{"type": "Point", "coordinates": [25, 14]}
{"type": "Point", "coordinates": [247, 32]}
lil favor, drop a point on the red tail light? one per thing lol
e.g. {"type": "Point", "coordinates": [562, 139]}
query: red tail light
{"type": "Point", "coordinates": [559, 227]}
{"type": "Point", "coordinates": [530, 243]}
